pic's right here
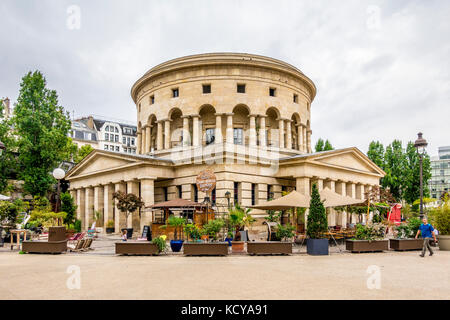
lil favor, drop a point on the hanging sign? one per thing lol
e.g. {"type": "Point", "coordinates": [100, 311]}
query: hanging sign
{"type": "Point", "coordinates": [206, 181]}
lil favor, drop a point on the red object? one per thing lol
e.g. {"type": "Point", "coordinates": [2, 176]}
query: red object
{"type": "Point", "coordinates": [396, 214]}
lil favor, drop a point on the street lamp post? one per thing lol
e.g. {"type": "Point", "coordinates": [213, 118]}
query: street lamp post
{"type": "Point", "coordinates": [420, 145]}
{"type": "Point", "coordinates": [58, 174]}
{"type": "Point", "coordinates": [228, 196]}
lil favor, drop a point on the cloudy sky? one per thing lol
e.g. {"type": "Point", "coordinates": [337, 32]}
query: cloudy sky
{"type": "Point", "coordinates": [381, 67]}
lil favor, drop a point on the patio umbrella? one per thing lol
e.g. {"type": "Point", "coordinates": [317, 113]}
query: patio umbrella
{"type": "Point", "coordinates": [333, 199]}
{"type": "Point", "coordinates": [292, 200]}
{"type": "Point", "coordinates": [4, 198]}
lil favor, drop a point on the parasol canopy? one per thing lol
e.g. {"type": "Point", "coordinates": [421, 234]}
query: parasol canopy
{"type": "Point", "coordinates": [4, 198]}
{"type": "Point", "coordinates": [297, 200]}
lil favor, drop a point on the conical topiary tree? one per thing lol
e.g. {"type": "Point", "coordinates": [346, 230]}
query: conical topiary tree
{"type": "Point", "coordinates": [317, 217]}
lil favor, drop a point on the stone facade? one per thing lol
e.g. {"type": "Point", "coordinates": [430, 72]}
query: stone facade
{"type": "Point", "coordinates": [246, 117]}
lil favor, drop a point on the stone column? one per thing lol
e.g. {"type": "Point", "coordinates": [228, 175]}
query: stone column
{"type": "Point", "coordinates": [262, 192]}
{"type": "Point", "coordinates": [98, 204]}
{"type": "Point", "coordinates": [195, 130]}
{"type": "Point", "coordinates": [303, 186]}
{"type": "Point", "coordinates": [119, 217]}
{"type": "Point", "coordinates": [230, 139]}
{"type": "Point", "coordinates": [144, 140]}
{"type": "Point", "coordinates": [252, 131]}
{"type": "Point", "coordinates": [319, 184]}
{"type": "Point", "coordinates": [167, 137]}
{"type": "Point", "coordinates": [289, 134]}
{"type": "Point", "coordinates": [262, 131]}
{"type": "Point", "coordinates": [305, 144]}
{"type": "Point", "coordinates": [159, 136]}
{"type": "Point", "coordinates": [133, 220]}
{"type": "Point", "coordinates": [80, 205]}
{"type": "Point", "coordinates": [88, 208]}
{"type": "Point", "coordinates": [341, 188]}
{"type": "Point", "coordinates": [148, 196]}
{"type": "Point", "coordinates": [108, 204]}
{"type": "Point", "coordinates": [309, 141]}
{"type": "Point", "coordinates": [281, 131]}
{"type": "Point", "coordinates": [148, 138]}
{"type": "Point", "coordinates": [351, 192]}
{"type": "Point", "coordinates": [218, 130]}
{"type": "Point", "coordinates": [300, 137]}
{"type": "Point", "coordinates": [186, 132]}
{"type": "Point", "coordinates": [138, 143]}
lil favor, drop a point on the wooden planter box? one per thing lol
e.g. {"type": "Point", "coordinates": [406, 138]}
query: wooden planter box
{"type": "Point", "coordinates": [205, 249]}
{"type": "Point", "coordinates": [366, 246]}
{"type": "Point", "coordinates": [269, 247]}
{"type": "Point", "coordinates": [136, 248]}
{"type": "Point", "coordinates": [44, 246]}
{"type": "Point", "coordinates": [406, 244]}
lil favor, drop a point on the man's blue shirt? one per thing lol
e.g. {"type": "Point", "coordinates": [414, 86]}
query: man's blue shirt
{"type": "Point", "coordinates": [426, 230]}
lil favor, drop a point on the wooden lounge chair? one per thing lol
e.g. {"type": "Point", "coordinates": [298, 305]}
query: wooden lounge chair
{"type": "Point", "coordinates": [87, 245]}
{"type": "Point", "coordinates": [78, 246]}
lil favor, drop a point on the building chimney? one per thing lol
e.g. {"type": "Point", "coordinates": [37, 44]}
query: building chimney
{"type": "Point", "coordinates": [90, 122]}
{"type": "Point", "coordinates": [7, 107]}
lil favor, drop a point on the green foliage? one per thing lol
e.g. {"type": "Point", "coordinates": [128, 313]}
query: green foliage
{"type": "Point", "coordinates": [369, 232]}
{"type": "Point", "coordinates": [83, 152]}
{"type": "Point", "coordinates": [440, 217]}
{"type": "Point", "coordinates": [77, 225]}
{"type": "Point", "coordinates": [68, 206]}
{"type": "Point", "coordinates": [317, 218]}
{"type": "Point", "coordinates": [10, 210]}
{"type": "Point", "coordinates": [409, 229]}
{"type": "Point", "coordinates": [177, 223]}
{"type": "Point", "coordinates": [110, 224]}
{"type": "Point", "coordinates": [46, 218]}
{"type": "Point", "coordinates": [273, 216]}
{"type": "Point", "coordinates": [285, 232]}
{"type": "Point", "coordinates": [41, 127]}
{"type": "Point", "coordinates": [240, 218]}
{"type": "Point", "coordinates": [402, 167]}
{"type": "Point", "coordinates": [213, 227]}
{"type": "Point", "coordinates": [160, 243]}
{"type": "Point", "coordinates": [323, 146]}
{"type": "Point", "coordinates": [193, 231]}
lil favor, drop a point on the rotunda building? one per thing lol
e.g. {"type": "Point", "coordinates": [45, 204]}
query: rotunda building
{"type": "Point", "coordinates": [245, 117]}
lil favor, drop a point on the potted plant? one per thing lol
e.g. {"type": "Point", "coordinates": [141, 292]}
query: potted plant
{"type": "Point", "coordinates": [193, 232]}
{"type": "Point", "coordinates": [368, 238]}
{"type": "Point", "coordinates": [155, 247]}
{"type": "Point", "coordinates": [239, 219]}
{"type": "Point", "coordinates": [177, 223]}
{"type": "Point", "coordinates": [110, 226]}
{"type": "Point", "coordinates": [229, 238]}
{"type": "Point", "coordinates": [317, 225]}
{"type": "Point", "coordinates": [405, 234]}
{"type": "Point", "coordinates": [160, 243]}
{"type": "Point", "coordinates": [127, 203]}
{"type": "Point", "coordinates": [440, 218]}
{"type": "Point", "coordinates": [284, 246]}
{"type": "Point", "coordinates": [213, 248]}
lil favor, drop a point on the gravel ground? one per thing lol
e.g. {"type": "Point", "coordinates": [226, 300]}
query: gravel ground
{"type": "Point", "coordinates": [402, 275]}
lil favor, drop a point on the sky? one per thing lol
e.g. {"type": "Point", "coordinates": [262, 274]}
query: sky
{"type": "Point", "coordinates": [381, 68]}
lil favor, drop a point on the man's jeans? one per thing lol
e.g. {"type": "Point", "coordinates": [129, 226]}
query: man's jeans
{"type": "Point", "coordinates": [426, 244]}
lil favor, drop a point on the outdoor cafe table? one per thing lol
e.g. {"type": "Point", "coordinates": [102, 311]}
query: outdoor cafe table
{"type": "Point", "coordinates": [18, 232]}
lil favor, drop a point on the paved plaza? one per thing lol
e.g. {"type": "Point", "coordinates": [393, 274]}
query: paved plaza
{"type": "Point", "coordinates": [403, 275]}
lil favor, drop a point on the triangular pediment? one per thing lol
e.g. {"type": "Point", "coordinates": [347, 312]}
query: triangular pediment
{"type": "Point", "coordinates": [100, 161]}
{"type": "Point", "coordinates": [350, 158]}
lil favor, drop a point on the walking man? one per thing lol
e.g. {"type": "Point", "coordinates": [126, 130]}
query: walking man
{"type": "Point", "coordinates": [427, 233]}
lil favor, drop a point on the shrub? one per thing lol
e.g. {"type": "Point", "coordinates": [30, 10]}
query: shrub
{"type": "Point", "coordinates": [213, 227]}
{"type": "Point", "coordinates": [160, 243]}
{"type": "Point", "coordinates": [317, 218]}
{"type": "Point", "coordinates": [409, 229]}
{"type": "Point", "coordinates": [10, 210]}
{"type": "Point", "coordinates": [68, 206]}
{"type": "Point", "coordinates": [192, 231]}
{"type": "Point", "coordinates": [440, 218]}
{"type": "Point", "coordinates": [110, 224]}
{"type": "Point", "coordinates": [285, 232]}
{"type": "Point", "coordinates": [370, 232]}
{"type": "Point", "coordinates": [77, 225]}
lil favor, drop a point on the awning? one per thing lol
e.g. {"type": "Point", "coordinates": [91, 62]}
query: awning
{"type": "Point", "coordinates": [4, 198]}
{"type": "Point", "coordinates": [297, 200]}
{"type": "Point", "coordinates": [177, 203]}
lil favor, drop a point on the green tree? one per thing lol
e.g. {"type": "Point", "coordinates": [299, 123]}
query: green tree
{"type": "Point", "coordinates": [68, 206]}
{"type": "Point", "coordinates": [376, 153]}
{"type": "Point", "coordinates": [328, 146]}
{"type": "Point", "coordinates": [319, 145]}
{"type": "Point", "coordinates": [41, 126]}
{"type": "Point", "coordinates": [412, 174]}
{"type": "Point", "coordinates": [395, 168]}
{"type": "Point", "coordinates": [83, 152]}
{"type": "Point", "coordinates": [8, 163]}
{"type": "Point", "coordinates": [317, 217]}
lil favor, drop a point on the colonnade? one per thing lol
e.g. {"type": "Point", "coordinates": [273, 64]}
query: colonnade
{"type": "Point", "coordinates": [257, 134]}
